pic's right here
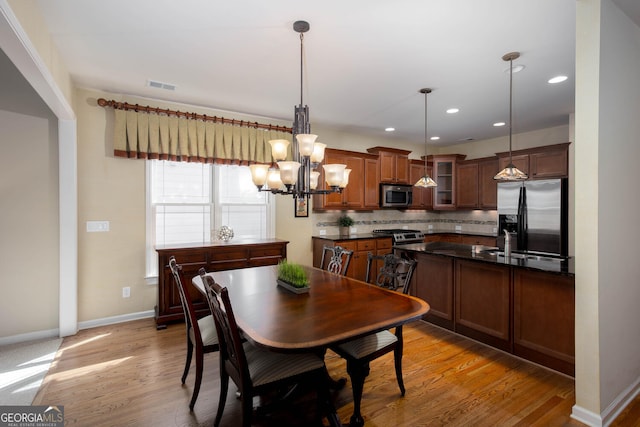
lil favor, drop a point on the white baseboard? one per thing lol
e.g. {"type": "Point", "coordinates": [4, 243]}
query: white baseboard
{"type": "Point", "coordinates": [116, 319]}
{"type": "Point", "coordinates": [30, 336]}
{"type": "Point", "coordinates": [611, 412]}
{"type": "Point", "coordinates": [53, 333]}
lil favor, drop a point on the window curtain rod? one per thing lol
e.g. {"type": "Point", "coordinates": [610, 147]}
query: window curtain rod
{"type": "Point", "coordinates": [194, 116]}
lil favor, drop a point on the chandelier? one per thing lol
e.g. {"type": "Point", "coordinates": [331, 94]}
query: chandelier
{"type": "Point", "coordinates": [510, 173]}
{"type": "Point", "coordinates": [298, 177]}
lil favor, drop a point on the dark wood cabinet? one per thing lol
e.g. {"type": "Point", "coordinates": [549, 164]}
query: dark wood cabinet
{"type": "Point", "coordinates": [422, 197]}
{"type": "Point", "coordinates": [483, 295]}
{"type": "Point", "coordinates": [467, 185]}
{"type": "Point", "coordinates": [544, 319]}
{"type": "Point", "coordinates": [444, 174]}
{"type": "Point", "coordinates": [360, 193]}
{"type": "Point", "coordinates": [432, 281]}
{"type": "Point", "coordinates": [475, 186]}
{"type": "Point", "coordinates": [393, 164]}
{"type": "Point", "coordinates": [551, 161]}
{"type": "Point", "coordinates": [212, 257]}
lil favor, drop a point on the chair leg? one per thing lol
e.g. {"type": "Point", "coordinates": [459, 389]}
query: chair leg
{"type": "Point", "coordinates": [397, 356]}
{"type": "Point", "coordinates": [247, 409]}
{"type": "Point", "coordinates": [188, 362]}
{"type": "Point", "coordinates": [224, 386]}
{"type": "Point", "coordinates": [358, 371]}
{"type": "Point", "coordinates": [196, 385]}
{"type": "Point", "coordinates": [325, 405]}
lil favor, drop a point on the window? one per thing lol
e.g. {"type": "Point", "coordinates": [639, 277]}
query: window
{"type": "Point", "coordinates": [187, 202]}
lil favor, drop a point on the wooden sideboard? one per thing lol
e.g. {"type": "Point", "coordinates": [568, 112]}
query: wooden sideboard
{"type": "Point", "coordinates": [214, 256]}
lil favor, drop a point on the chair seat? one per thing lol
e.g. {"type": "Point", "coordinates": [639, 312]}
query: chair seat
{"type": "Point", "coordinates": [364, 346]}
{"type": "Point", "coordinates": [207, 330]}
{"type": "Point", "coordinates": [267, 366]}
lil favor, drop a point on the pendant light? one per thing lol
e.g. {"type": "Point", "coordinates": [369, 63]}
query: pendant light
{"type": "Point", "coordinates": [510, 173]}
{"type": "Point", "coordinates": [425, 181]}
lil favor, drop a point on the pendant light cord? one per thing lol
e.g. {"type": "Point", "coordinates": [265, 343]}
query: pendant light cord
{"type": "Point", "coordinates": [510, 107]}
{"type": "Point", "coordinates": [301, 64]}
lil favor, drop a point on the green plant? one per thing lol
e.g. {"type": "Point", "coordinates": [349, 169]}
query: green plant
{"type": "Point", "coordinates": [293, 274]}
{"type": "Point", "coordinates": [345, 221]}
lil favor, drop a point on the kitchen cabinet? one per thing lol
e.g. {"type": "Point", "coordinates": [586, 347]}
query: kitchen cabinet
{"type": "Point", "coordinates": [475, 186]}
{"type": "Point", "coordinates": [432, 281]}
{"type": "Point", "coordinates": [422, 197]}
{"type": "Point", "coordinates": [543, 319]}
{"type": "Point", "coordinates": [482, 302]}
{"type": "Point", "coordinates": [371, 183]}
{"type": "Point", "coordinates": [466, 239]}
{"type": "Point", "coordinates": [550, 161]}
{"type": "Point", "coordinates": [357, 195]}
{"type": "Point", "coordinates": [360, 247]}
{"type": "Point", "coordinates": [393, 164]}
{"type": "Point", "coordinates": [215, 256]}
{"type": "Point", "coordinates": [444, 171]}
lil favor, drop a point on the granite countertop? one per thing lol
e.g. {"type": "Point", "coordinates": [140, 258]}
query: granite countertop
{"type": "Point", "coordinates": [380, 236]}
{"type": "Point", "coordinates": [563, 266]}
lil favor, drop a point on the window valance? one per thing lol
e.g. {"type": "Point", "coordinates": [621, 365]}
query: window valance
{"type": "Point", "coordinates": [154, 133]}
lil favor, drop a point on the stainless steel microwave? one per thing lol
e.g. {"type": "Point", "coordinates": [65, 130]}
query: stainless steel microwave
{"type": "Point", "coordinates": [395, 196]}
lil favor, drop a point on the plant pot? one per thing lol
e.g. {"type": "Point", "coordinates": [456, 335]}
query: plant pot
{"type": "Point", "coordinates": [292, 288]}
{"type": "Point", "coordinates": [344, 231]}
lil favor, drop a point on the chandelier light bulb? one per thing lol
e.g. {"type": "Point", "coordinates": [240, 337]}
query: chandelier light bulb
{"type": "Point", "coordinates": [279, 149]}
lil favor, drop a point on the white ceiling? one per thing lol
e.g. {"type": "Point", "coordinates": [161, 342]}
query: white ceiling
{"type": "Point", "coordinates": [365, 60]}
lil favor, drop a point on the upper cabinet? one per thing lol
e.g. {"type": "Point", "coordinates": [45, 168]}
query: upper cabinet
{"type": "Point", "coordinates": [475, 186]}
{"type": "Point", "coordinates": [422, 197]}
{"type": "Point", "coordinates": [444, 174]}
{"type": "Point", "coordinates": [551, 161]}
{"type": "Point", "coordinates": [393, 164]}
{"type": "Point", "coordinates": [356, 195]}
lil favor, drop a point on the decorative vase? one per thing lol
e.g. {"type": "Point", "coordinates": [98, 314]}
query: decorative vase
{"type": "Point", "coordinates": [292, 288]}
{"type": "Point", "coordinates": [344, 231]}
{"type": "Point", "coordinates": [225, 233]}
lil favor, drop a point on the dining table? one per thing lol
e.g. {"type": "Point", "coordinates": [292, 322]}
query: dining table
{"type": "Point", "coordinates": [334, 310]}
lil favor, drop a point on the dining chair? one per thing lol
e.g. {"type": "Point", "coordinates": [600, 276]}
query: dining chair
{"type": "Point", "coordinates": [396, 272]}
{"type": "Point", "coordinates": [338, 261]}
{"type": "Point", "coordinates": [255, 370]}
{"type": "Point", "coordinates": [201, 333]}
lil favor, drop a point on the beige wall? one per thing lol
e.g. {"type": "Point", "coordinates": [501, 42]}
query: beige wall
{"type": "Point", "coordinates": [607, 231]}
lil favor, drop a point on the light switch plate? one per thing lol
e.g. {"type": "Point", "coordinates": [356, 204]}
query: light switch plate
{"type": "Point", "coordinates": [97, 226]}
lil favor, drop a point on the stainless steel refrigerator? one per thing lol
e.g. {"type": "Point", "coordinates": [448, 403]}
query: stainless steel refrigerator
{"type": "Point", "coordinates": [535, 213]}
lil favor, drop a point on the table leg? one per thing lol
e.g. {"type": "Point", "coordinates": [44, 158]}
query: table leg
{"type": "Point", "coordinates": [358, 371]}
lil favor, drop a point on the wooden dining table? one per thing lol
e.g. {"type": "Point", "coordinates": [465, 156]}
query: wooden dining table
{"type": "Point", "coordinates": [335, 309]}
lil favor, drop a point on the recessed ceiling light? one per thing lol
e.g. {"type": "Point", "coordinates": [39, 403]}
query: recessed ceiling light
{"type": "Point", "coordinates": [499, 124]}
{"type": "Point", "coordinates": [389, 129]}
{"type": "Point", "coordinates": [453, 110]}
{"type": "Point", "coordinates": [435, 138]}
{"type": "Point", "coordinates": [557, 79]}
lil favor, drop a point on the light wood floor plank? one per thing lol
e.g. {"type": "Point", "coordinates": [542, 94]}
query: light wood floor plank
{"type": "Point", "coordinates": [129, 375]}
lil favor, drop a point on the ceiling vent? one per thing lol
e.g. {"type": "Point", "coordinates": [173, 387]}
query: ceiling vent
{"type": "Point", "coordinates": [160, 85]}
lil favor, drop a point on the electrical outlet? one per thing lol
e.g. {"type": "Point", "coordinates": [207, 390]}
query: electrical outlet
{"type": "Point", "coordinates": [126, 292]}
{"type": "Point", "coordinates": [353, 230]}
{"type": "Point", "coordinates": [458, 228]}
{"type": "Point", "coordinates": [97, 226]}
{"type": "Point", "coordinates": [405, 227]}
{"type": "Point", "coordinates": [430, 226]}
{"type": "Point", "coordinates": [323, 232]}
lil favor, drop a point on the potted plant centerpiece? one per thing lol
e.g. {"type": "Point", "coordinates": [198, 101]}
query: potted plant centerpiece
{"type": "Point", "coordinates": [344, 222]}
{"type": "Point", "coordinates": [292, 277]}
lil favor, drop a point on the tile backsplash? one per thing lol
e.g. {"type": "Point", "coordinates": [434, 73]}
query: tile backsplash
{"type": "Point", "coordinates": [484, 222]}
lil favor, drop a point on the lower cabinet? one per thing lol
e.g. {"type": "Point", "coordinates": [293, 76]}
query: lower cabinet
{"type": "Point", "coordinates": [432, 281]}
{"type": "Point", "coordinates": [525, 312]}
{"type": "Point", "coordinates": [544, 319]}
{"type": "Point", "coordinates": [213, 257]}
{"type": "Point", "coordinates": [483, 296]}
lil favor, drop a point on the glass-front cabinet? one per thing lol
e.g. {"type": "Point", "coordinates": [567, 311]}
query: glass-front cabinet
{"type": "Point", "coordinates": [444, 173]}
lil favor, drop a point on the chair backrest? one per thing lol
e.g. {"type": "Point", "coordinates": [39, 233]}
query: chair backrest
{"type": "Point", "coordinates": [396, 272]}
{"type": "Point", "coordinates": [190, 317]}
{"type": "Point", "coordinates": [339, 259]}
{"type": "Point", "coordinates": [231, 350]}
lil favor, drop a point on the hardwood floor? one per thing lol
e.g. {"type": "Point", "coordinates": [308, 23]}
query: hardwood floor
{"type": "Point", "coordinates": [129, 375]}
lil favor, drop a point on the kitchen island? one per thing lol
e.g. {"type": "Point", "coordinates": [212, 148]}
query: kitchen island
{"type": "Point", "coordinates": [522, 304]}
